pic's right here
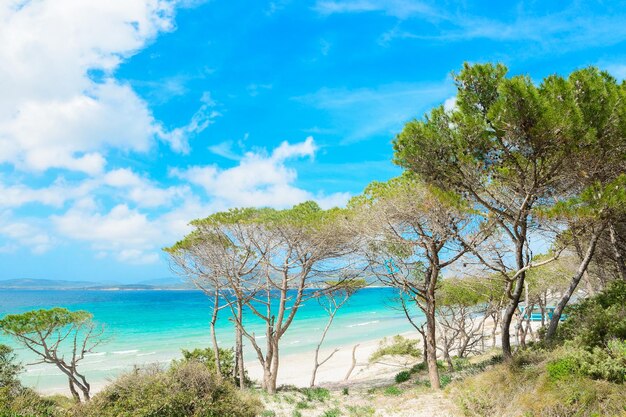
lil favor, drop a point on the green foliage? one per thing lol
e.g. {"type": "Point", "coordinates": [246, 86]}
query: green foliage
{"type": "Point", "coordinates": [186, 389]}
{"type": "Point", "coordinates": [9, 368]}
{"type": "Point", "coordinates": [402, 376]}
{"type": "Point", "coordinates": [551, 387]}
{"type": "Point", "coordinates": [42, 321]}
{"type": "Point", "coordinates": [597, 320]}
{"type": "Point", "coordinates": [24, 402]}
{"type": "Point", "coordinates": [345, 391]}
{"type": "Point", "coordinates": [392, 391]}
{"type": "Point", "coordinates": [444, 380]}
{"type": "Point", "coordinates": [334, 412]}
{"type": "Point", "coordinates": [399, 345]}
{"type": "Point", "coordinates": [562, 368]}
{"type": "Point", "coordinates": [207, 358]}
{"type": "Point", "coordinates": [316, 394]}
{"type": "Point", "coordinates": [361, 411]}
{"type": "Point", "coordinates": [601, 363]}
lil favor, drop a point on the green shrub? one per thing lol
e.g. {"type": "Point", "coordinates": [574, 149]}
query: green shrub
{"type": "Point", "coordinates": [562, 368]}
{"type": "Point", "coordinates": [444, 380]}
{"type": "Point", "coordinates": [422, 366]}
{"type": "Point", "coordinates": [361, 411]}
{"type": "Point", "coordinates": [403, 376]}
{"type": "Point", "coordinates": [345, 391]}
{"type": "Point", "coordinates": [597, 320]}
{"type": "Point", "coordinates": [316, 394]}
{"type": "Point", "coordinates": [399, 345]}
{"type": "Point", "coordinates": [24, 402]}
{"type": "Point", "coordinates": [9, 368]}
{"type": "Point", "coordinates": [207, 357]}
{"type": "Point", "coordinates": [186, 389]}
{"type": "Point", "coordinates": [335, 412]}
{"type": "Point", "coordinates": [392, 390]}
{"type": "Point", "coordinates": [552, 387]}
{"type": "Point", "coordinates": [296, 413]}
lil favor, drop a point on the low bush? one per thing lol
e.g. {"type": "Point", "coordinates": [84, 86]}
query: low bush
{"type": "Point", "coordinates": [186, 389]}
{"type": "Point", "coordinates": [24, 402]}
{"type": "Point", "coordinates": [597, 320]}
{"type": "Point", "coordinates": [398, 345]}
{"type": "Point", "coordinates": [402, 376]}
{"type": "Point", "coordinates": [316, 394]}
{"type": "Point", "coordinates": [554, 386]}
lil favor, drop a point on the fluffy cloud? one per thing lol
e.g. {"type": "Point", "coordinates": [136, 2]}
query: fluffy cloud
{"type": "Point", "coordinates": [22, 233]}
{"type": "Point", "coordinates": [123, 231]}
{"type": "Point", "coordinates": [260, 179]}
{"type": "Point", "coordinates": [59, 96]}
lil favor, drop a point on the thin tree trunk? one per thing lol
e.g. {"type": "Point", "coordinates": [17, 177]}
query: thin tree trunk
{"type": "Point", "coordinates": [316, 363]}
{"type": "Point", "coordinates": [619, 258]}
{"type": "Point", "coordinates": [216, 350]}
{"type": "Point", "coordinates": [242, 369]}
{"type": "Point", "coordinates": [507, 318]}
{"type": "Point", "coordinates": [431, 347]}
{"type": "Point", "coordinates": [558, 311]}
{"type": "Point", "coordinates": [353, 365]}
{"type": "Point", "coordinates": [74, 392]}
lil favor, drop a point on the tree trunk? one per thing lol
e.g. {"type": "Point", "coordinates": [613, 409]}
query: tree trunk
{"type": "Point", "coordinates": [558, 311]}
{"type": "Point", "coordinates": [353, 365]}
{"type": "Point", "coordinates": [239, 354]}
{"type": "Point", "coordinates": [619, 258]}
{"type": "Point", "coordinates": [431, 347]}
{"type": "Point", "coordinates": [74, 392]}
{"type": "Point", "coordinates": [507, 318]}
{"type": "Point", "coordinates": [216, 350]}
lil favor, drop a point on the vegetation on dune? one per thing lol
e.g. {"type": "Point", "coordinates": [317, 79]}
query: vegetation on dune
{"type": "Point", "coordinates": [186, 389]}
{"type": "Point", "coordinates": [398, 345]}
{"type": "Point", "coordinates": [583, 375]}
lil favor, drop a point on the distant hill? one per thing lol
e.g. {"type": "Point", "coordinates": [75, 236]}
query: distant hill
{"type": "Point", "coordinates": [43, 284]}
{"type": "Point", "coordinates": [50, 284]}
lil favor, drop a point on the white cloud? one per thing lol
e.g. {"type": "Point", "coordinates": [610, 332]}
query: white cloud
{"type": "Point", "coordinates": [23, 233]}
{"type": "Point", "coordinates": [260, 179]}
{"type": "Point", "coordinates": [53, 114]}
{"type": "Point", "coordinates": [122, 231]}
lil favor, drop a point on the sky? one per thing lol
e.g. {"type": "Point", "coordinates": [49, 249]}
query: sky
{"type": "Point", "coordinates": [122, 120]}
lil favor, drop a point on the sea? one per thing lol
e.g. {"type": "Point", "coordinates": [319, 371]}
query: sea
{"type": "Point", "coordinates": [152, 326]}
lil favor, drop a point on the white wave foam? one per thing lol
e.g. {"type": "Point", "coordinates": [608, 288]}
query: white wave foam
{"type": "Point", "coordinates": [89, 355]}
{"type": "Point", "coordinates": [125, 352]}
{"type": "Point", "coordinates": [147, 354]}
{"type": "Point", "coordinates": [364, 323]}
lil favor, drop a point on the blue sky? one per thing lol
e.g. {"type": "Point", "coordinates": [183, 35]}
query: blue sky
{"type": "Point", "coordinates": [120, 121]}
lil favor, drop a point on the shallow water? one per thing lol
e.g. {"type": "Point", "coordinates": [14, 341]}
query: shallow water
{"type": "Point", "coordinates": [153, 326]}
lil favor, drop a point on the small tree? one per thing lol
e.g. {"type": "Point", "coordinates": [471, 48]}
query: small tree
{"type": "Point", "coordinates": [331, 301]}
{"type": "Point", "coordinates": [462, 309]}
{"type": "Point", "coordinates": [9, 368]}
{"type": "Point", "coordinates": [59, 337]}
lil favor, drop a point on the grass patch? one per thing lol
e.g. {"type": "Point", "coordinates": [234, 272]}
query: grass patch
{"type": "Point", "coordinates": [398, 345]}
{"type": "Point", "coordinates": [316, 394]}
{"type": "Point", "coordinates": [335, 412]}
{"type": "Point", "coordinates": [392, 391]}
{"type": "Point", "coordinates": [361, 411]}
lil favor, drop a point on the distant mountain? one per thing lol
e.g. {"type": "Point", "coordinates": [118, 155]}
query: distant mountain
{"type": "Point", "coordinates": [43, 284]}
{"type": "Point", "coordinates": [50, 284]}
{"type": "Point", "coordinates": [169, 281]}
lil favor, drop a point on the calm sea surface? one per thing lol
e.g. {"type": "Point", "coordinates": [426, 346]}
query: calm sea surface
{"type": "Point", "coordinates": [153, 326]}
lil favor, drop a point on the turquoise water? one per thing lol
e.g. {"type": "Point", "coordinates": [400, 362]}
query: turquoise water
{"type": "Point", "coordinates": [153, 326]}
